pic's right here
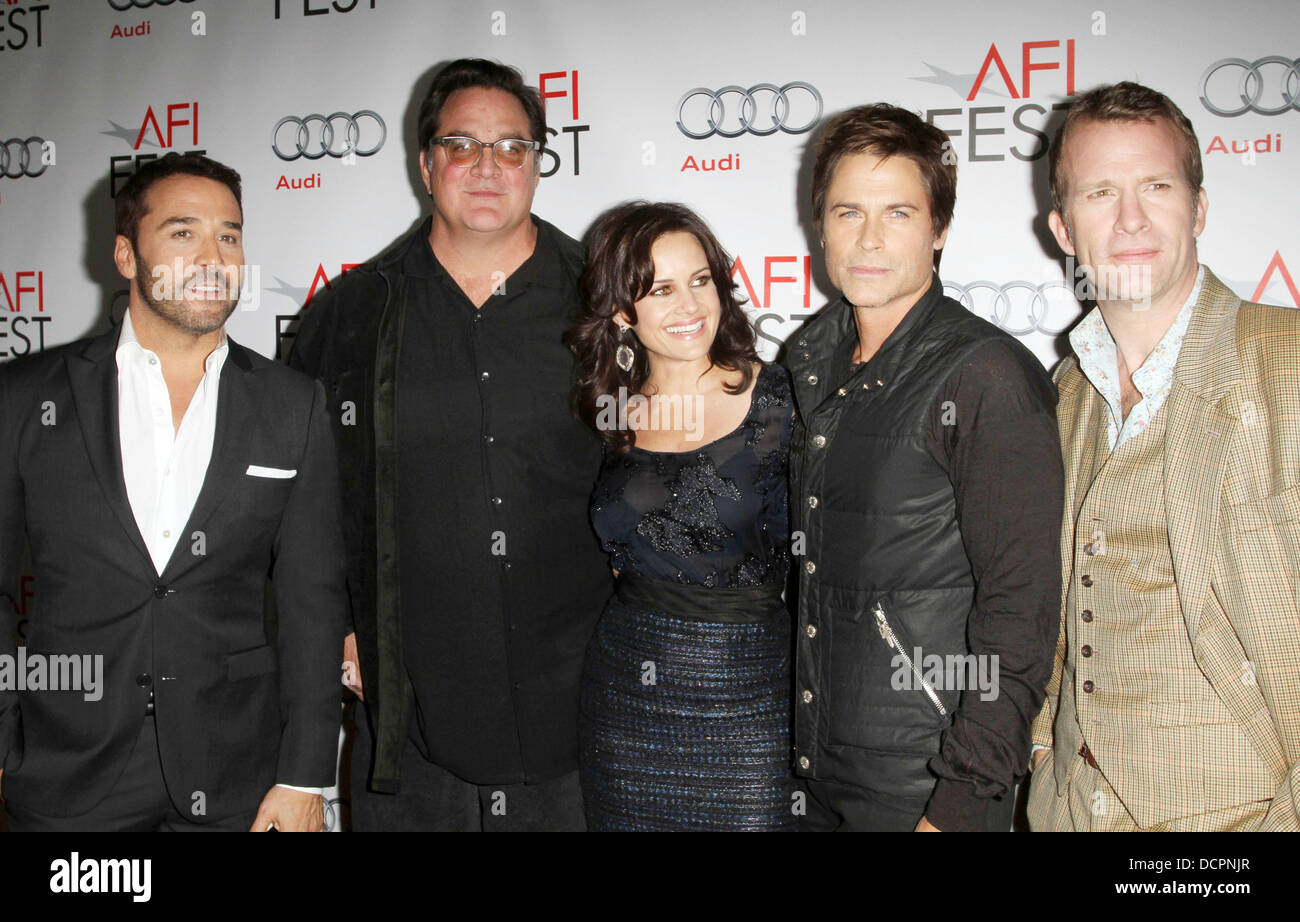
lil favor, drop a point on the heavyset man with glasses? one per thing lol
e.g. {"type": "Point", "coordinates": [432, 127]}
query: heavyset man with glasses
{"type": "Point", "coordinates": [475, 578]}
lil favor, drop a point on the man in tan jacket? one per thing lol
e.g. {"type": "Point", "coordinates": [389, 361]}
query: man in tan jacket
{"type": "Point", "coordinates": [1174, 703]}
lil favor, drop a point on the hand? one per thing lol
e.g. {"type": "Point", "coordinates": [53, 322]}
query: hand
{"type": "Point", "coordinates": [1038, 757]}
{"type": "Point", "coordinates": [290, 811]}
{"type": "Point", "coordinates": [926, 826]}
{"type": "Point", "coordinates": [352, 666]}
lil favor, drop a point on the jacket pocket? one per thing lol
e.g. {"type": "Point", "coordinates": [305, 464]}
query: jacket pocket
{"type": "Point", "coordinates": [913, 675]}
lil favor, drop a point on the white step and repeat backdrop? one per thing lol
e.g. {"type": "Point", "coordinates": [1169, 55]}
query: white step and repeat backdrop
{"type": "Point", "coordinates": [699, 101]}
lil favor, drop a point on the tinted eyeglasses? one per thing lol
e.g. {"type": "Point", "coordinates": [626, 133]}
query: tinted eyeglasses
{"type": "Point", "coordinates": [509, 153]}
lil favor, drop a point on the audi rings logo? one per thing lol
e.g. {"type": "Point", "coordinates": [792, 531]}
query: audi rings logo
{"type": "Point", "coordinates": [1020, 307]}
{"type": "Point", "coordinates": [1269, 86]}
{"type": "Point", "coordinates": [20, 158]}
{"type": "Point", "coordinates": [763, 109]}
{"type": "Point", "coordinates": [314, 143]}
{"type": "Point", "coordinates": [124, 5]}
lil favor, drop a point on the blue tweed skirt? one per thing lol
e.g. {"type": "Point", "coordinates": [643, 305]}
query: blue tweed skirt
{"type": "Point", "coordinates": [685, 723]}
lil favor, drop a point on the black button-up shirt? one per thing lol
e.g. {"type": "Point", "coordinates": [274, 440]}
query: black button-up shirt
{"type": "Point", "coordinates": [501, 575]}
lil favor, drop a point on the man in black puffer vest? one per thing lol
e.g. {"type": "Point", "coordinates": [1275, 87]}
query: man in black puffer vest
{"type": "Point", "coordinates": [927, 485]}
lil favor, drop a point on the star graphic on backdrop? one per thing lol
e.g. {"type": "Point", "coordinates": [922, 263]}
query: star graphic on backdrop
{"type": "Point", "coordinates": [126, 134]}
{"type": "Point", "coordinates": [958, 83]}
{"type": "Point", "coordinates": [299, 295]}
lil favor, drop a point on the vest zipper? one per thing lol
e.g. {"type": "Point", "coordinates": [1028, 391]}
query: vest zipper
{"type": "Point", "coordinates": [891, 638]}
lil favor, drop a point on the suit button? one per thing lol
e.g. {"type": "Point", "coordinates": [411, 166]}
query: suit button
{"type": "Point", "coordinates": [819, 441]}
{"type": "Point", "coordinates": [1085, 650]}
{"type": "Point", "coordinates": [804, 763]}
{"type": "Point", "coordinates": [812, 502]}
{"type": "Point", "coordinates": [807, 696]}
{"type": "Point", "coordinates": [811, 630]}
{"type": "Point", "coordinates": [160, 591]}
{"type": "Point", "coordinates": [496, 501]}
{"type": "Point", "coordinates": [1088, 686]}
{"type": "Point", "coordinates": [1086, 615]}
{"type": "Point", "coordinates": [1087, 580]}
{"type": "Point", "coordinates": [144, 680]}
{"type": "Point", "coordinates": [843, 391]}
{"type": "Point", "coordinates": [812, 379]}
{"type": "Point", "coordinates": [810, 568]}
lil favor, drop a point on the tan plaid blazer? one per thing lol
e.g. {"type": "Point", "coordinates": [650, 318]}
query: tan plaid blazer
{"type": "Point", "coordinates": [1232, 485]}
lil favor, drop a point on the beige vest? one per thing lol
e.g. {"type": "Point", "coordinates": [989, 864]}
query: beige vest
{"type": "Point", "coordinates": [1150, 717]}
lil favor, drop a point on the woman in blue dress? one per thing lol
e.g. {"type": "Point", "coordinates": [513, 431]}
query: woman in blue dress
{"type": "Point", "coordinates": [685, 713]}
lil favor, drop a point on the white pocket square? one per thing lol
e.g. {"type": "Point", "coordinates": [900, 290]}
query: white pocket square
{"type": "Point", "coordinates": [275, 473]}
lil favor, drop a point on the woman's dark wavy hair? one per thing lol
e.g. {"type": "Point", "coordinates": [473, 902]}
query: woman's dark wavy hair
{"type": "Point", "coordinates": [620, 272]}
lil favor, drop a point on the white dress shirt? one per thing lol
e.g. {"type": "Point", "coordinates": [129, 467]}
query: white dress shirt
{"type": "Point", "coordinates": [164, 467]}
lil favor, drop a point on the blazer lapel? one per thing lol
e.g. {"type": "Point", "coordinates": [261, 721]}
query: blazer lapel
{"type": "Point", "coordinates": [92, 374]}
{"type": "Point", "coordinates": [1202, 417]}
{"type": "Point", "coordinates": [233, 406]}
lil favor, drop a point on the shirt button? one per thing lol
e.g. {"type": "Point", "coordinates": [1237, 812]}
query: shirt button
{"type": "Point", "coordinates": [810, 568]}
{"type": "Point", "coordinates": [152, 360]}
{"type": "Point", "coordinates": [1088, 686]}
{"type": "Point", "coordinates": [488, 439]}
{"type": "Point", "coordinates": [144, 680]}
{"type": "Point", "coordinates": [496, 501]}
{"type": "Point", "coordinates": [811, 630]}
{"type": "Point", "coordinates": [812, 502]}
{"type": "Point", "coordinates": [167, 534]}
{"type": "Point", "coordinates": [806, 356]}
{"type": "Point", "coordinates": [804, 763]}
{"type": "Point", "coordinates": [160, 591]}
{"type": "Point", "coordinates": [842, 391]}
{"type": "Point", "coordinates": [812, 379]}
{"type": "Point", "coordinates": [1086, 615]}
{"type": "Point", "coordinates": [807, 696]}
{"type": "Point", "coordinates": [1085, 650]}
{"type": "Point", "coordinates": [484, 376]}
{"type": "Point", "coordinates": [1087, 580]}
{"type": "Point", "coordinates": [819, 441]}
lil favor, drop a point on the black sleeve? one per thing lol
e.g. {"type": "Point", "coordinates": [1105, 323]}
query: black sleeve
{"type": "Point", "coordinates": [993, 429]}
{"type": "Point", "coordinates": [311, 604]}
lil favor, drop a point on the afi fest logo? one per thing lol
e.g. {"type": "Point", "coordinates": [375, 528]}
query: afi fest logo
{"type": "Point", "coordinates": [22, 312]}
{"type": "Point", "coordinates": [301, 297]}
{"type": "Point", "coordinates": [161, 128]}
{"type": "Point", "coordinates": [561, 85]}
{"type": "Point", "coordinates": [22, 27]}
{"type": "Point", "coordinates": [765, 281]}
{"type": "Point", "coordinates": [1010, 71]}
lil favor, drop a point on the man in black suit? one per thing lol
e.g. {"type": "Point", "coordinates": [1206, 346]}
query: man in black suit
{"type": "Point", "coordinates": [160, 474]}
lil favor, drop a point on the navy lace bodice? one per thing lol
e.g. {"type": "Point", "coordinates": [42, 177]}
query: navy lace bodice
{"type": "Point", "coordinates": [713, 516]}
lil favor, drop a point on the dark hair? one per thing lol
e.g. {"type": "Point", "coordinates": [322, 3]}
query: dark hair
{"type": "Point", "coordinates": [889, 131]}
{"type": "Point", "coordinates": [129, 206]}
{"type": "Point", "coordinates": [1125, 102]}
{"type": "Point", "coordinates": [467, 73]}
{"type": "Point", "coordinates": [620, 271]}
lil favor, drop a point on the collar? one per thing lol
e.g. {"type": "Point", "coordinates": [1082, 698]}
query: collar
{"type": "Point", "coordinates": [826, 333]}
{"type": "Point", "coordinates": [130, 350]}
{"type": "Point", "coordinates": [538, 269]}
{"type": "Point", "coordinates": [1098, 357]}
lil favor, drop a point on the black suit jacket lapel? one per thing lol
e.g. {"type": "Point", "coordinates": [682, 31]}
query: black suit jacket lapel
{"type": "Point", "coordinates": [92, 374]}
